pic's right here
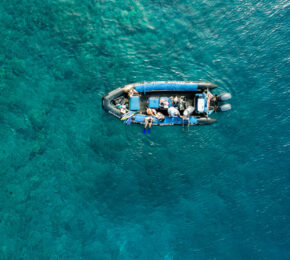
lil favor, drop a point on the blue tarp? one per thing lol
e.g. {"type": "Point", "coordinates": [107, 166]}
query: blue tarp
{"type": "Point", "coordinates": [134, 103]}
{"type": "Point", "coordinates": [179, 120]}
{"type": "Point", "coordinates": [167, 121]}
{"type": "Point", "coordinates": [140, 118]}
{"type": "Point", "coordinates": [153, 102]}
{"type": "Point", "coordinates": [166, 86]}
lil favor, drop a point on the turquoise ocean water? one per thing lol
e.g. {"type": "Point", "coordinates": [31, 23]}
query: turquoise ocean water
{"type": "Point", "coordinates": [76, 183]}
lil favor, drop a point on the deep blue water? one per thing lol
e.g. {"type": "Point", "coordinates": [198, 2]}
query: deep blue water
{"type": "Point", "coordinates": [76, 183]}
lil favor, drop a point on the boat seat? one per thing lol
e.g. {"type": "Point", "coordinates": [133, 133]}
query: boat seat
{"type": "Point", "coordinates": [135, 103]}
{"type": "Point", "coordinates": [154, 102]}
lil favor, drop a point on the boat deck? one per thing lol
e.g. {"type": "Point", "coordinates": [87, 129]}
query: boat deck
{"type": "Point", "coordinates": [187, 97]}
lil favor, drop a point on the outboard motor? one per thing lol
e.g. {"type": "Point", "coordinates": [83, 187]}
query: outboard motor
{"type": "Point", "coordinates": [224, 97]}
{"type": "Point", "coordinates": [224, 107]}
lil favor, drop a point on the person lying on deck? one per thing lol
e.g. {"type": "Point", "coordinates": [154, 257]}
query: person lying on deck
{"type": "Point", "coordinates": [153, 112]}
{"type": "Point", "coordinates": [131, 91]}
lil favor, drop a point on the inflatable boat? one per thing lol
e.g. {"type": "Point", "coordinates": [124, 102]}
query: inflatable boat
{"type": "Point", "coordinates": [130, 103]}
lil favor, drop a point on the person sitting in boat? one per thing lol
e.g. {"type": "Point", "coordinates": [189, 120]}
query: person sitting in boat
{"type": "Point", "coordinates": [173, 112]}
{"type": "Point", "coordinates": [148, 122]}
{"type": "Point", "coordinates": [122, 108]}
{"type": "Point", "coordinates": [131, 91]}
{"type": "Point", "coordinates": [175, 102]}
{"type": "Point", "coordinates": [164, 103]}
{"type": "Point", "coordinates": [123, 111]}
{"type": "Point", "coordinates": [187, 112]}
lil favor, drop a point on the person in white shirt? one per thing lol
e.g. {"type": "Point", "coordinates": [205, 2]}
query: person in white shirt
{"type": "Point", "coordinates": [187, 112]}
{"type": "Point", "coordinates": [173, 112]}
